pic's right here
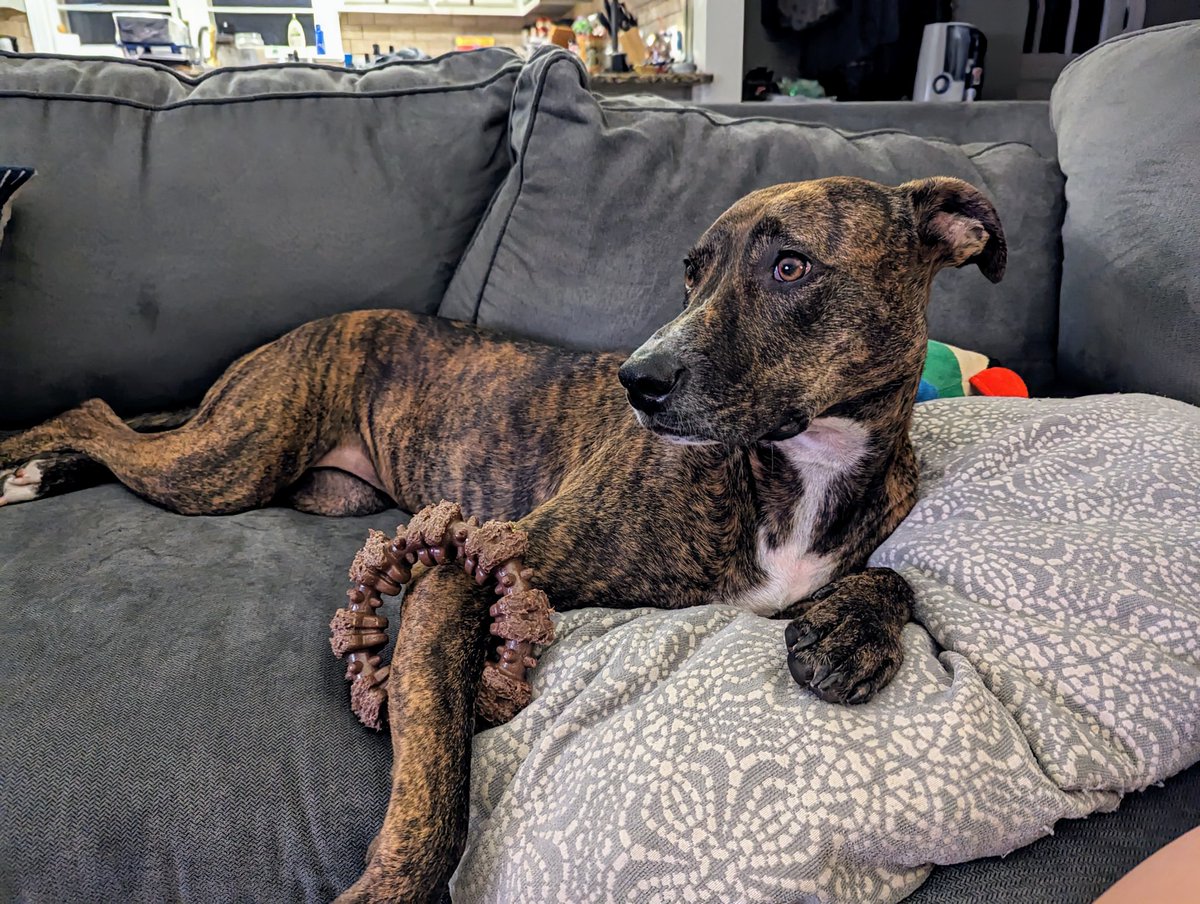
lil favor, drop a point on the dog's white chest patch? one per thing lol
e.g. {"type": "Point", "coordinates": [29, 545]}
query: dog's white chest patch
{"type": "Point", "coordinates": [828, 449]}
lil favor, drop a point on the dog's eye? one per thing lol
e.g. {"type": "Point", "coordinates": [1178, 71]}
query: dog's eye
{"type": "Point", "coordinates": [791, 267]}
{"type": "Point", "coordinates": [689, 274]}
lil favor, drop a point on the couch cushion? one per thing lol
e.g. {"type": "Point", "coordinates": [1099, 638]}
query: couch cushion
{"type": "Point", "coordinates": [176, 223]}
{"type": "Point", "coordinates": [1127, 114]}
{"type": "Point", "coordinates": [585, 242]}
{"type": "Point", "coordinates": [173, 726]}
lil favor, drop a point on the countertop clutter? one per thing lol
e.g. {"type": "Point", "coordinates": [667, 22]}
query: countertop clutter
{"type": "Point", "coordinates": [626, 45]}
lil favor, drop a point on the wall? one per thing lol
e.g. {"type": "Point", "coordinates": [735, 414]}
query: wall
{"type": "Point", "coordinates": [16, 25]}
{"type": "Point", "coordinates": [1004, 25]}
{"type": "Point", "coordinates": [655, 16]}
{"type": "Point", "coordinates": [432, 34]}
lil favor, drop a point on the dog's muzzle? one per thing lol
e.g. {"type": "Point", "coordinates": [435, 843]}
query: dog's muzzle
{"type": "Point", "coordinates": [650, 379]}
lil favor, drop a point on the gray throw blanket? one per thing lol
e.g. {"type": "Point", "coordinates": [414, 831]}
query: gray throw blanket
{"type": "Point", "coordinates": [1053, 667]}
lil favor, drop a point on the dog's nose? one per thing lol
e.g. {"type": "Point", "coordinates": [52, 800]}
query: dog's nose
{"type": "Point", "coordinates": [650, 379]}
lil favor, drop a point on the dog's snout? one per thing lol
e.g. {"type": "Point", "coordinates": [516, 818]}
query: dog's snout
{"type": "Point", "coordinates": [649, 380]}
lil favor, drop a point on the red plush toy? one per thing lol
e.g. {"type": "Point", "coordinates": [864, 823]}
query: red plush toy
{"type": "Point", "coordinates": [999, 381]}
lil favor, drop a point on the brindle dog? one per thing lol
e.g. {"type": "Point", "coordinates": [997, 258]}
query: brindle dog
{"type": "Point", "coordinates": [757, 453]}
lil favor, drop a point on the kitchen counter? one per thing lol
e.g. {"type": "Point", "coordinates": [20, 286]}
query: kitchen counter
{"type": "Point", "coordinates": [651, 78]}
{"type": "Point", "coordinates": [675, 85]}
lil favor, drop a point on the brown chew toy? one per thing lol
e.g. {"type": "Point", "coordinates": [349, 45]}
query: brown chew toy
{"type": "Point", "coordinates": [436, 535]}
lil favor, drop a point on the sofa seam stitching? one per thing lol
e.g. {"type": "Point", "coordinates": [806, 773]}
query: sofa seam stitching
{"type": "Point", "coordinates": [416, 91]}
{"type": "Point", "coordinates": [153, 66]}
{"type": "Point", "coordinates": [1121, 38]}
{"type": "Point", "coordinates": [848, 136]}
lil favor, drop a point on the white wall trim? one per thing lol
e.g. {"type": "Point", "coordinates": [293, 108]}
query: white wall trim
{"type": "Point", "coordinates": [718, 32]}
{"type": "Point", "coordinates": [43, 24]}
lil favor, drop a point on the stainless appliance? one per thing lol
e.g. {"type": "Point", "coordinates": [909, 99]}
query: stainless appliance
{"type": "Point", "coordinates": [950, 67]}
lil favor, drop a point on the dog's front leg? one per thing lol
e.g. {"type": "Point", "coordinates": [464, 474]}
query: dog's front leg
{"type": "Point", "coordinates": [844, 643]}
{"type": "Point", "coordinates": [434, 681]}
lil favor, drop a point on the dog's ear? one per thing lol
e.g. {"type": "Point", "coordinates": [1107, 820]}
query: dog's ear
{"type": "Point", "coordinates": [957, 224]}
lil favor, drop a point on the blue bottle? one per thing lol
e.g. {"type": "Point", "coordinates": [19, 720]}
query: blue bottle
{"type": "Point", "coordinates": [320, 32]}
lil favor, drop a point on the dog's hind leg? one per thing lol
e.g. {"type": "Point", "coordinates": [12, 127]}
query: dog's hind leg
{"type": "Point", "coordinates": [55, 473]}
{"type": "Point", "coordinates": [50, 475]}
{"type": "Point", "coordinates": [265, 422]}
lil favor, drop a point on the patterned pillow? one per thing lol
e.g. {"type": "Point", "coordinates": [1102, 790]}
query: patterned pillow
{"type": "Point", "coordinates": [1053, 666]}
{"type": "Point", "coordinates": [12, 178]}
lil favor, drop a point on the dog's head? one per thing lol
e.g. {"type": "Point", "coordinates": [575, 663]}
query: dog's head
{"type": "Point", "coordinates": [802, 298]}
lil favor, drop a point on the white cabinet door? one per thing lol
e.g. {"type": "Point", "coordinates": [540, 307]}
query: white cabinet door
{"type": "Point", "coordinates": [502, 5]}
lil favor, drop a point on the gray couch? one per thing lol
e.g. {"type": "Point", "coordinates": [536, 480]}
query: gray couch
{"type": "Point", "coordinates": [172, 725]}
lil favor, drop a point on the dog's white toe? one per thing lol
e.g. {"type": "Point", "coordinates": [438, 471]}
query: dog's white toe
{"type": "Point", "coordinates": [21, 484]}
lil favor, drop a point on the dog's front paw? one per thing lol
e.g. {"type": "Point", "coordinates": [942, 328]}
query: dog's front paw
{"type": "Point", "coordinates": [21, 484]}
{"type": "Point", "coordinates": [846, 645]}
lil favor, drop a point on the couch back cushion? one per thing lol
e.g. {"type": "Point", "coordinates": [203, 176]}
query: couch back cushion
{"type": "Point", "coordinates": [585, 242]}
{"type": "Point", "coordinates": [175, 224]}
{"type": "Point", "coordinates": [1127, 114]}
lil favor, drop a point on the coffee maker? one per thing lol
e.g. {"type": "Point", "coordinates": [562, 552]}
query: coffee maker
{"type": "Point", "coordinates": [950, 67]}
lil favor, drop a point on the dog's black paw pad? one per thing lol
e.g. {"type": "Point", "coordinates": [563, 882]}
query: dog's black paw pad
{"type": "Point", "coordinates": [846, 646]}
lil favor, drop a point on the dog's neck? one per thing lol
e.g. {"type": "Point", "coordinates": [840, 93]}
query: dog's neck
{"type": "Point", "coordinates": [820, 496]}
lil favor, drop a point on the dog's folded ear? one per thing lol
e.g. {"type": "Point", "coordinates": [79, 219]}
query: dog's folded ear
{"type": "Point", "coordinates": [958, 225]}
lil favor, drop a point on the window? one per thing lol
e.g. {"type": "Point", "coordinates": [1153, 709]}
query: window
{"type": "Point", "coordinates": [93, 21]}
{"type": "Point", "coordinates": [268, 18]}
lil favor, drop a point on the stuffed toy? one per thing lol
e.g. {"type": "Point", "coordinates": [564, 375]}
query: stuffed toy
{"type": "Point", "coordinates": [952, 372]}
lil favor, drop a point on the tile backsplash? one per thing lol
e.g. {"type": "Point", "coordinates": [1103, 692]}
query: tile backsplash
{"type": "Point", "coordinates": [432, 34]}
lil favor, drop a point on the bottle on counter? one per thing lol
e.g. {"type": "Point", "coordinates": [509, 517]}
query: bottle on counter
{"type": "Point", "coordinates": [295, 36]}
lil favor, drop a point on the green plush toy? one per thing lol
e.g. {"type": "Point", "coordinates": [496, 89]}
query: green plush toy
{"type": "Point", "coordinates": [952, 372]}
